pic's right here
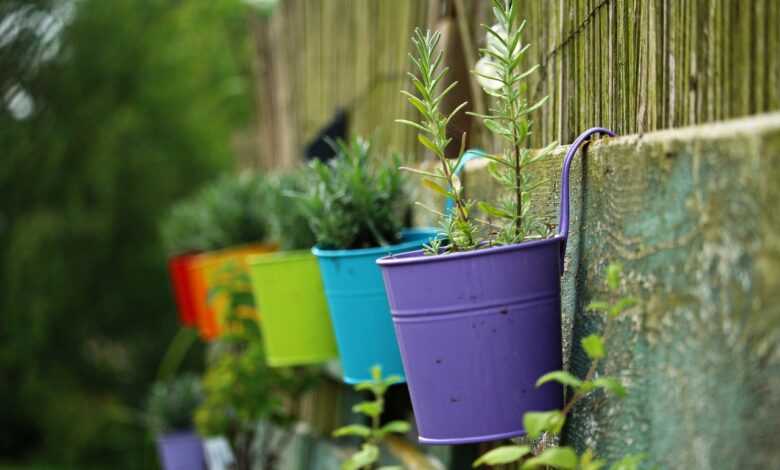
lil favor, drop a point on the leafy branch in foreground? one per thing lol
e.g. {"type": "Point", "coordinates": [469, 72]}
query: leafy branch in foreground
{"type": "Point", "coordinates": [458, 226]}
{"type": "Point", "coordinates": [552, 422]}
{"type": "Point", "coordinates": [374, 434]}
{"type": "Point", "coordinates": [499, 72]}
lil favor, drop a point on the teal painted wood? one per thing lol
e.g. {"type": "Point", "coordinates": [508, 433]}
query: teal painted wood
{"type": "Point", "coordinates": [358, 306]}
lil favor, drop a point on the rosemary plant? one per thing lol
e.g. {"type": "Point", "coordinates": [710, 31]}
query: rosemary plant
{"type": "Point", "coordinates": [458, 226]}
{"type": "Point", "coordinates": [499, 72]}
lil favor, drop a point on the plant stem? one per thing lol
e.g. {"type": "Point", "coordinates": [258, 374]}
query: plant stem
{"type": "Point", "coordinates": [459, 205]}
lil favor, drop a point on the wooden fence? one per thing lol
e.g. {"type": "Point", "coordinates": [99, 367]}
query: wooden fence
{"type": "Point", "coordinates": [632, 65]}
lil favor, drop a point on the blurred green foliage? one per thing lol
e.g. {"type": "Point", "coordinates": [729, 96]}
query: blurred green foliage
{"type": "Point", "coordinates": [232, 210]}
{"type": "Point", "coordinates": [289, 224]}
{"type": "Point", "coordinates": [172, 403]}
{"type": "Point", "coordinates": [240, 389]}
{"type": "Point", "coordinates": [105, 122]}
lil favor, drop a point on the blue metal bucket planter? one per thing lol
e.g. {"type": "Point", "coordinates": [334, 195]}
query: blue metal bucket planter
{"type": "Point", "coordinates": [358, 306]}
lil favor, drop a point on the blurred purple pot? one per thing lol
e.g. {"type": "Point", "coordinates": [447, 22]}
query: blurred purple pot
{"type": "Point", "coordinates": [181, 451]}
{"type": "Point", "coordinates": [476, 330]}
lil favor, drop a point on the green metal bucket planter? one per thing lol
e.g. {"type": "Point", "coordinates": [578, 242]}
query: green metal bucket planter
{"type": "Point", "coordinates": [296, 326]}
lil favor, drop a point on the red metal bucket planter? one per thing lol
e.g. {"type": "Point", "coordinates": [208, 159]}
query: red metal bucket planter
{"type": "Point", "coordinates": [183, 292]}
{"type": "Point", "coordinates": [477, 329]}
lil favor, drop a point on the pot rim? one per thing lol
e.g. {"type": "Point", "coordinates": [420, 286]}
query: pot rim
{"type": "Point", "coordinates": [276, 257]}
{"type": "Point", "coordinates": [404, 246]}
{"type": "Point", "coordinates": [417, 256]}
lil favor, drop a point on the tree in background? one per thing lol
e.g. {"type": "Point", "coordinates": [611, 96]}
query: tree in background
{"type": "Point", "coordinates": [109, 111]}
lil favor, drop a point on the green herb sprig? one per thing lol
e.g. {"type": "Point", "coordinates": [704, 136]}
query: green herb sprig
{"type": "Point", "coordinates": [458, 226]}
{"type": "Point", "coordinates": [372, 435]}
{"type": "Point", "coordinates": [499, 72]}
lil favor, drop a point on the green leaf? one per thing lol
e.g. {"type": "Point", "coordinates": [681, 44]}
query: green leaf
{"type": "Point", "coordinates": [555, 457]}
{"type": "Point", "coordinates": [612, 385]}
{"type": "Point", "coordinates": [622, 305]}
{"type": "Point", "coordinates": [502, 455]}
{"type": "Point", "coordinates": [369, 408]}
{"type": "Point", "coordinates": [392, 380]}
{"type": "Point", "coordinates": [411, 123]}
{"type": "Point", "coordinates": [367, 455]}
{"type": "Point", "coordinates": [593, 346]}
{"type": "Point", "coordinates": [614, 273]}
{"type": "Point", "coordinates": [494, 211]}
{"type": "Point", "coordinates": [559, 376]}
{"type": "Point", "coordinates": [395, 427]}
{"type": "Point", "coordinates": [538, 422]}
{"type": "Point", "coordinates": [589, 462]}
{"type": "Point", "coordinates": [629, 462]}
{"type": "Point", "coordinates": [376, 373]}
{"type": "Point", "coordinates": [436, 187]}
{"type": "Point", "coordinates": [428, 144]}
{"type": "Point", "coordinates": [597, 306]}
{"type": "Point", "coordinates": [422, 172]}
{"type": "Point", "coordinates": [352, 430]}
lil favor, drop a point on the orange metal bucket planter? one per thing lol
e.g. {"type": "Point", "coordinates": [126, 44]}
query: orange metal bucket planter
{"type": "Point", "coordinates": [205, 272]}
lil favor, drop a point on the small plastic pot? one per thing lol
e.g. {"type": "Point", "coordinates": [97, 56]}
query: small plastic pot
{"type": "Point", "coordinates": [296, 325]}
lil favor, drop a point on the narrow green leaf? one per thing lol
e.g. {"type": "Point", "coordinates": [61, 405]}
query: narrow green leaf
{"type": "Point", "coordinates": [502, 455]}
{"type": "Point", "coordinates": [411, 123]}
{"type": "Point", "coordinates": [622, 305]}
{"type": "Point", "coordinates": [559, 376]}
{"type": "Point", "coordinates": [429, 145]}
{"type": "Point", "coordinates": [629, 462]}
{"type": "Point", "coordinates": [589, 462]}
{"type": "Point", "coordinates": [455, 111]}
{"type": "Point", "coordinates": [367, 455]}
{"type": "Point", "coordinates": [353, 430]}
{"type": "Point", "coordinates": [597, 306]}
{"type": "Point", "coordinates": [369, 408]}
{"type": "Point", "coordinates": [614, 274]}
{"type": "Point", "coordinates": [612, 385]}
{"type": "Point", "coordinates": [538, 422]}
{"type": "Point", "coordinates": [494, 211]}
{"type": "Point", "coordinates": [436, 187]}
{"type": "Point", "coordinates": [415, 101]}
{"type": "Point", "coordinates": [395, 427]}
{"type": "Point", "coordinates": [422, 172]}
{"type": "Point", "coordinates": [593, 346]}
{"type": "Point", "coordinates": [392, 380]}
{"type": "Point", "coordinates": [556, 457]}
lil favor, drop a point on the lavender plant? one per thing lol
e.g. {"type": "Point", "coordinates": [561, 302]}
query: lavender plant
{"type": "Point", "coordinates": [355, 200]}
{"type": "Point", "coordinates": [552, 422]}
{"type": "Point", "coordinates": [499, 72]}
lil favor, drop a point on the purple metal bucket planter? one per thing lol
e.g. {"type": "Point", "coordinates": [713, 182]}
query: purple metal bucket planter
{"type": "Point", "coordinates": [477, 329]}
{"type": "Point", "coordinates": [181, 451]}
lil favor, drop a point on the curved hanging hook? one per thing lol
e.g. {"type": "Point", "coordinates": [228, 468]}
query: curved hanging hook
{"type": "Point", "coordinates": [563, 220]}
